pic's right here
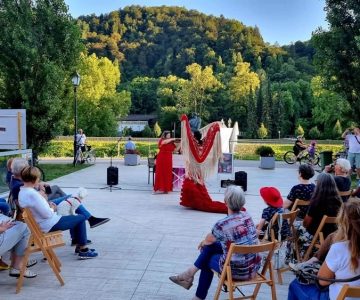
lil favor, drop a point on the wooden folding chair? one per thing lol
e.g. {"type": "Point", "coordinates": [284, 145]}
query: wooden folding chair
{"type": "Point", "coordinates": [44, 242]}
{"type": "Point", "coordinates": [345, 193]}
{"type": "Point", "coordinates": [290, 217]}
{"type": "Point", "coordinates": [299, 202]}
{"type": "Point", "coordinates": [349, 291]}
{"type": "Point", "coordinates": [318, 238]}
{"type": "Point", "coordinates": [231, 284]}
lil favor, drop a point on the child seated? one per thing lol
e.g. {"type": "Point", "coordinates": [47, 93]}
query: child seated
{"type": "Point", "coordinates": [312, 149]}
{"type": "Point", "coordinates": [273, 199]}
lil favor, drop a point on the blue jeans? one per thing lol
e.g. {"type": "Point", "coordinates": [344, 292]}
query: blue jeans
{"type": "Point", "coordinates": [4, 207]}
{"type": "Point", "coordinates": [77, 227]}
{"type": "Point", "coordinates": [208, 260]}
{"type": "Point", "coordinates": [81, 210]}
{"type": "Point", "coordinates": [298, 291]}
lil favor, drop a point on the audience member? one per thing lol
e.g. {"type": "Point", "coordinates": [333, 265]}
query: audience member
{"type": "Point", "coordinates": [238, 228]}
{"type": "Point", "coordinates": [325, 201]}
{"type": "Point", "coordinates": [353, 138]}
{"type": "Point", "coordinates": [130, 147]}
{"type": "Point", "coordinates": [18, 165]}
{"type": "Point", "coordinates": [14, 237]}
{"type": "Point", "coordinates": [342, 260]}
{"type": "Point", "coordinates": [273, 199]}
{"type": "Point", "coordinates": [45, 216]}
{"type": "Point", "coordinates": [302, 191]}
{"type": "Point", "coordinates": [341, 169]}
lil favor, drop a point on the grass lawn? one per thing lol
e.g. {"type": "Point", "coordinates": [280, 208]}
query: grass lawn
{"type": "Point", "coordinates": [53, 171]}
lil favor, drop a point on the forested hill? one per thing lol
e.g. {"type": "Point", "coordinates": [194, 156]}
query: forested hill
{"type": "Point", "coordinates": [177, 60]}
{"type": "Point", "coordinates": [159, 41]}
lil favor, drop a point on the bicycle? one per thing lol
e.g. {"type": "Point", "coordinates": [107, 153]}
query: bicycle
{"type": "Point", "coordinates": [88, 156]}
{"type": "Point", "coordinates": [304, 157]}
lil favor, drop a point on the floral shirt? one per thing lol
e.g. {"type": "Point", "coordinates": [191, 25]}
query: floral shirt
{"type": "Point", "coordinates": [238, 228]}
{"type": "Point", "coordinates": [302, 192]}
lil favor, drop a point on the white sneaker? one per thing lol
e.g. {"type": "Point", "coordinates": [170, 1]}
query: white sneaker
{"type": "Point", "coordinates": [16, 273]}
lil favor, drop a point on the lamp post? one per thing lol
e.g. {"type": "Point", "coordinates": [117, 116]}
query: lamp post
{"type": "Point", "coordinates": [279, 134]}
{"type": "Point", "coordinates": [75, 82]}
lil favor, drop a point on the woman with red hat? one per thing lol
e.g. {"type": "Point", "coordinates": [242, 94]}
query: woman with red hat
{"type": "Point", "coordinates": [273, 199]}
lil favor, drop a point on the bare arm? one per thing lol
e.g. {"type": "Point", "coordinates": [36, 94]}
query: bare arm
{"type": "Point", "coordinates": [287, 203]}
{"type": "Point", "coordinates": [209, 239]}
{"type": "Point", "coordinates": [345, 133]}
{"type": "Point", "coordinates": [325, 272]}
{"type": "Point", "coordinates": [307, 221]}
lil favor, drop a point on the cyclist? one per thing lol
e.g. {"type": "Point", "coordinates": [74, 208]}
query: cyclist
{"type": "Point", "coordinates": [81, 140]}
{"type": "Point", "coordinates": [299, 146]}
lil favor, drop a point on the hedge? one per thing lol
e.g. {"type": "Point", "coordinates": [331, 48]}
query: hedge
{"type": "Point", "coordinates": [59, 148]}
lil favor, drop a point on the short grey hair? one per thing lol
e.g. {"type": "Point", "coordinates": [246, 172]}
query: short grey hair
{"type": "Point", "coordinates": [234, 197]}
{"type": "Point", "coordinates": [18, 164]}
{"type": "Point", "coordinates": [344, 164]}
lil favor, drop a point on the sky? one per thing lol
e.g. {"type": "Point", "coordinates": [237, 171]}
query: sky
{"type": "Point", "coordinates": [281, 21]}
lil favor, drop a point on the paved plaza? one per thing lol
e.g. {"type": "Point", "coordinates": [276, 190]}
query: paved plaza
{"type": "Point", "coordinates": [149, 238]}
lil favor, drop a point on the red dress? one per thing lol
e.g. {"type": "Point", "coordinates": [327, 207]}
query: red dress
{"type": "Point", "coordinates": [163, 173]}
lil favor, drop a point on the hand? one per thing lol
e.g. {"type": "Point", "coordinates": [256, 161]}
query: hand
{"type": "Point", "coordinates": [5, 225]}
{"type": "Point", "coordinates": [53, 206]}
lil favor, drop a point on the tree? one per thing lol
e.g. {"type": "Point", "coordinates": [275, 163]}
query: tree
{"type": "Point", "coordinates": [299, 130]}
{"type": "Point", "coordinates": [337, 130]}
{"type": "Point", "coordinates": [314, 133]}
{"type": "Point", "coordinates": [338, 50]}
{"type": "Point", "coordinates": [262, 131]}
{"type": "Point", "coordinates": [40, 47]}
{"type": "Point", "coordinates": [157, 129]}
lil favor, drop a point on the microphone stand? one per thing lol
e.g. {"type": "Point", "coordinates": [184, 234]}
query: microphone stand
{"type": "Point", "coordinates": [111, 187]}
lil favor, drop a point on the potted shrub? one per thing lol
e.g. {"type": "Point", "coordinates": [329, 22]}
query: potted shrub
{"type": "Point", "coordinates": [267, 159]}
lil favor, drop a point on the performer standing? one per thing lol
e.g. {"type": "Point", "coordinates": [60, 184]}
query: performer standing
{"type": "Point", "coordinates": [163, 171]}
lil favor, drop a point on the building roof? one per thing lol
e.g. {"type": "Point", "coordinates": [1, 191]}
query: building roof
{"type": "Point", "coordinates": [139, 118]}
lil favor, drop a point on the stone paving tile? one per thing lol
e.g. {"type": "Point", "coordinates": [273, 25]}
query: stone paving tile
{"type": "Point", "coordinates": [149, 238]}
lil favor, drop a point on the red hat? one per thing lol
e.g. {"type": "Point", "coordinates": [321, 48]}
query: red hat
{"type": "Point", "coordinates": [271, 196]}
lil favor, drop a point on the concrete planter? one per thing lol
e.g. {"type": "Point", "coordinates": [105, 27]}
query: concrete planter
{"type": "Point", "coordinates": [267, 162]}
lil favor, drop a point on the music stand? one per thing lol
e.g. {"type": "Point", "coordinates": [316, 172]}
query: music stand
{"type": "Point", "coordinates": [111, 186]}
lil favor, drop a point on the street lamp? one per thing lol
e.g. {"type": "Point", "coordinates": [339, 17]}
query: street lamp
{"type": "Point", "coordinates": [279, 134]}
{"type": "Point", "coordinates": [75, 82]}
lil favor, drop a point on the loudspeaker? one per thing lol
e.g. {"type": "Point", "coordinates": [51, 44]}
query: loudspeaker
{"type": "Point", "coordinates": [241, 179]}
{"type": "Point", "coordinates": [225, 183]}
{"type": "Point", "coordinates": [112, 176]}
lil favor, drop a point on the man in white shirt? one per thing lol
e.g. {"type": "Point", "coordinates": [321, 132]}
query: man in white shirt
{"type": "Point", "coordinates": [81, 139]}
{"type": "Point", "coordinates": [130, 147]}
{"type": "Point", "coordinates": [353, 137]}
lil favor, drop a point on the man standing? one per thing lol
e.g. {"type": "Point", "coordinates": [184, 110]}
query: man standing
{"type": "Point", "coordinates": [353, 137]}
{"type": "Point", "coordinates": [81, 140]}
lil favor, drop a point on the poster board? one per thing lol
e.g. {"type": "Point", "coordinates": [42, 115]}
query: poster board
{"type": "Point", "coordinates": [12, 129]}
{"type": "Point", "coordinates": [226, 164]}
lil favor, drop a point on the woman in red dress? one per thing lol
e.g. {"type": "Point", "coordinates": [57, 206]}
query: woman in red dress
{"type": "Point", "coordinates": [163, 173]}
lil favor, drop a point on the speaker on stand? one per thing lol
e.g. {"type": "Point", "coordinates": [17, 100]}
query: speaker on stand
{"type": "Point", "coordinates": [112, 174]}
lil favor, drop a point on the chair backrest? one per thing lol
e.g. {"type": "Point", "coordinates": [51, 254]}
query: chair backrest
{"type": "Point", "coordinates": [151, 162]}
{"type": "Point", "coordinates": [290, 217]}
{"type": "Point", "coordinates": [349, 291]}
{"type": "Point", "coordinates": [319, 235]}
{"type": "Point", "coordinates": [32, 224]}
{"type": "Point", "coordinates": [299, 202]}
{"type": "Point", "coordinates": [345, 193]}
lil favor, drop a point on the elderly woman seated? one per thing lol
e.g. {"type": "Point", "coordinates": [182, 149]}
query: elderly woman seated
{"type": "Point", "coordinates": [14, 237]}
{"type": "Point", "coordinates": [237, 227]}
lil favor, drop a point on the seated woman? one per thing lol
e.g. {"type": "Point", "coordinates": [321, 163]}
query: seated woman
{"type": "Point", "coordinates": [47, 219]}
{"type": "Point", "coordinates": [302, 191]}
{"type": "Point", "coordinates": [342, 260]}
{"type": "Point", "coordinates": [18, 165]}
{"type": "Point", "coordinates": [341, 169]}
{"type": "Point", "coordinates": [237, 227]}
{"type": "Point", "coordinates": [325, 201]}
{"type": "Point", "coordinates": [14, 237]}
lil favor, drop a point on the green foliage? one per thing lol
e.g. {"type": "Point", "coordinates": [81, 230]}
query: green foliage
{"type": "Point", "coordinates": [337, 130]}
{"type": "Point", "coordinates": [338, 51]}
{"type": "Point", "coordinates": [265, 151]}
{"type": "Point", "coordinates": [147, 132]}
{"type": "Point", "coordinates": [40, 47]}
{"type": "Point", "coordinates": [168, 115]}
{"type": "Point", "coordinates": [299, 130]}
{"type": "Point", "coordinates": [262, 131]}
{"type": "Point", "coordinates": [157, 130]}
{"type": "Point", "coordinates": [314, 133]}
